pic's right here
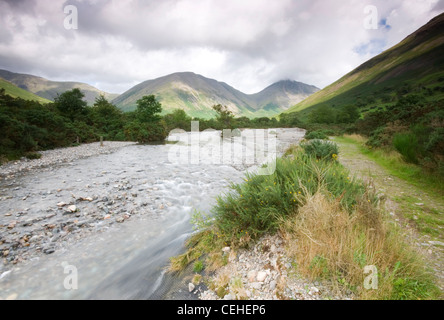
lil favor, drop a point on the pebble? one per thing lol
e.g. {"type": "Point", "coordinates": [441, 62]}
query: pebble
{"type": "Point", "coordinates": [260, 282]}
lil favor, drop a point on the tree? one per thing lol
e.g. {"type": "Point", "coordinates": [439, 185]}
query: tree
{"type": "Point", "coordinates": [290, 120]}
{"type": "Point", "coordinates": [224, 116]}
{"type": "Point", "coordinates": [146, 125]}
{"type": "Point", "coordinates": [106, 117]}
{"type": "Point", "coordinates": [348, 114]}
{"type": "Point", "coordinates": [178, 119]}
{"type": "Point", "coordinates": [148, 109]}
{"type": "Point", "coordinates": [323, 114]}
{"type": "Point", "coordinates": [71, 104]}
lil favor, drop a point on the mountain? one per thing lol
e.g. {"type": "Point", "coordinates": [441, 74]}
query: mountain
{"type": "Point", "coordinates": [50, 89]}
{"type": "Point", "coordinates": [414, 65]}
{"type": "Point", "coordinates": [282, 95]}
{"type": "Point", "coordinates": [17, 92]}
{"type": "Point", "coordinates": [196, 95]}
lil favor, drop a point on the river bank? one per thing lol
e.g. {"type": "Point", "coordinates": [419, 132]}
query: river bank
{"type": "Point", "coordinates": [59, 156]}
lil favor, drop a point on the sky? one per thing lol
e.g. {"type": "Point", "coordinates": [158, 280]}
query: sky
{"type": "Point", "coordinates": [249, 44]}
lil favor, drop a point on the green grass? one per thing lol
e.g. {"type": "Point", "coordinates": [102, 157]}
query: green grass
{"type": "Point", "coordinates": [17, 92]}
{"type": "Point", "coordinates": [396, 166]}
{"type": "Point", "coordinates": [426, 219]}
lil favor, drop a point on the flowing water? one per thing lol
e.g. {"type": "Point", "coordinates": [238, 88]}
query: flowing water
{"type": "Point", "coordinates": [121, 260]}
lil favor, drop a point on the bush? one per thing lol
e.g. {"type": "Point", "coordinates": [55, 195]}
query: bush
{"type": "Point", "coordinates": [258, 205]}
{"type": "Point", "coordinates": [407, 145]}
{"type": "Point", "coordinates": [33, 155]}
{"type": "Point", "coordinates": [319, 135]}
{"type": "Point", "coordinates": [320, 149]}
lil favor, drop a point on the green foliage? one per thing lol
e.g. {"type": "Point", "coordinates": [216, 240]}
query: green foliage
{"type": "Point", "coordinates": [145, 132]}
{"type": "Point", "coordinates": [323, 114]}
{"type": "Point", "coordinates": [178, 119]}
{"type": "Point", "coordinates": [407, 145]}
{"type": "Point", "coordinates": [348, 114]}
{"type": "Point", "coordinates": [259, 205]}
{"type": "Point", "coordinates": [33, 155]}
{"type": "Point", "coordinates": [198, 266]}
{"type": "Point", "coordinates": [318, 134]}
{"type": "Point", "coordinates": [28, 126]}
{"type": "Point", "coordinates": [107, 119]}
{"type": "Point", "coordinates": [412, 126]}
{"type": "Point", "coordinates": [290, 120]}
{"type": "Point", "coordinates": [320, 149]}
{"type": "Point", "coordinates": [71, 104]}
{"type": "Point", "coordinates": [224, 116]}
{"type": "Point", "coordinates": [148, 109]}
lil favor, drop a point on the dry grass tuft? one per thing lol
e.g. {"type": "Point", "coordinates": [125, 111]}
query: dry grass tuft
{"type": "Point", "coordinates": [330, 243]}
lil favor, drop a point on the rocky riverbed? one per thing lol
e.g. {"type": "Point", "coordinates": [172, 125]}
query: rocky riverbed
{"type": "Point", "coordinates": [28, 227]}
{"type": "Point", "coordinates": [59, 156]}
{"type": "Point", "coordinates": [265, 272]}
{"type": "Point", "coordinates": [117, 213]}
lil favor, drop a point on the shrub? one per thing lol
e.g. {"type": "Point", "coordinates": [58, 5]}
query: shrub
{"type": "Point", "coordinates": [319, 135]}
{"type": "Point", "coordinates": [33, 155]}
{"type": "Point", "coordinates": [198, 266]}
{"type": "Point", "coordinates": [256, 206]}
{"type": "Point", "coordinates": [321, 149]}
{"type": "Point", "coordinates": [407, 145]}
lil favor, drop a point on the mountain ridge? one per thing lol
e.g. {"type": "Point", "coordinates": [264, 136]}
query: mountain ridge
{"type": "Point", "coordinates": [196, 95]}
{"type": "Point", "coordinates": [49, 89]}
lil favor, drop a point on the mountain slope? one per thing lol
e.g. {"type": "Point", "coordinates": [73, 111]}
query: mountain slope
{"type": "Point", "coordinates": [415, 63]}
{"type": "Point", "coordinates": [50, 89]}
{"type": "Point", "coordinates": [196, 95]}
{"type": "Point", "coordinates": [17, 92]}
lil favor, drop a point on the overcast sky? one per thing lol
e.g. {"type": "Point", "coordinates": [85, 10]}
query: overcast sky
{"type": "Point", "coordinates": [248, 44]}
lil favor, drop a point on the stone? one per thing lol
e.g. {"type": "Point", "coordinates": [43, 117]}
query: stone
{"type": "Point", "coordinates": [228, 297]}
{"type": "Point", "coordinates": [71, 209]}
{"type": "Point", "coordinates": [120, 219]}
{"type": "Point", "coordinates": [226, 250]}
{"type": "Point", "coordinates": [49, 250]}
{"type": "Point", "coordinates": [273, 285]}
{"type": "Point", "coordinates": [191, 287]}
{"type": "Point", "coordinates": [252, 275]}
{"type": "Point", "coordinates": [256, 285]}
{"type": "Point", "coordinates": [313, 291]}
{"type": "Point", "coordinates": [261, 276]}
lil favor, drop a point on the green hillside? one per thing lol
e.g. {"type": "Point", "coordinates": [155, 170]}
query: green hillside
{"type": "Point", "coordinates": [17, 92]}
{"type": "Point", "coordinates": [416, 65]}
{"type": "Point", "coordinates": [50, 89]}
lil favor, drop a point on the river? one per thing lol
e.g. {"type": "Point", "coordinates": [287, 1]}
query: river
{"type": "Point", "coordinates": [107, 258]}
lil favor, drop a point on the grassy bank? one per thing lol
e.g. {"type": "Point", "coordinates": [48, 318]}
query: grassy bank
{"type": "Point", "coordinates": [330, 220]}
{"type": "Point", "coordinates": [393, 162]}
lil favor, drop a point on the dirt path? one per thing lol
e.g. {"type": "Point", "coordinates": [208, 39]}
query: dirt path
{"type": "Point", "coordinates": [421, 214]}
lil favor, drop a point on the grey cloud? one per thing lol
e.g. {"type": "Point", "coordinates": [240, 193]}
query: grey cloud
{"type": "Point", "coordinates": [248, 44]}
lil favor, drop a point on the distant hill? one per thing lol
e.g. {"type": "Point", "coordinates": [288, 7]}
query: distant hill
{"type": "Point", "coordinates": [196, 95]}
{"type": "Point", "coordinates": [50, 89]}
{"type": "Point", "coordinates": [414, 65]}
{"type": "Point", "coordinates": [17, 92]}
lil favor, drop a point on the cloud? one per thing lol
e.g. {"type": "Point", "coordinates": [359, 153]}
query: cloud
{"type": "Point", "coordinates": [248, 44]}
